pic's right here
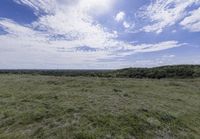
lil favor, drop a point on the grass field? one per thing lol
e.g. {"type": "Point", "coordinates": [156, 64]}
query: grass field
{"type": "Point", "coordinates": [48, 107]}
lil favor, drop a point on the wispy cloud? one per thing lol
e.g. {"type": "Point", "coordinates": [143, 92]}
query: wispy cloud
{"type": "Point", "coordinates": [192, 21]}
{"type": "Point", "coordinates": [68, 30]}
{"type": "Point", "coordinates": [120, 16]}
{"type": "Point", "coordinates": [165, 13]}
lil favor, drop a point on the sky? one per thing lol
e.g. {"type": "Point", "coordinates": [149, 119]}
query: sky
{"type": "Point", "coordinates": [98, 34]}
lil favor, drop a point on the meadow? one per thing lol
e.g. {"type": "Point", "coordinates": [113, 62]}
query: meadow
{"type": "Point", "coordinates": [61, 107]}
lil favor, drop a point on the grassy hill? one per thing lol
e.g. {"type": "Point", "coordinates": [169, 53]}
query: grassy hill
{"type": "Point", "coordinates": [60, 107]}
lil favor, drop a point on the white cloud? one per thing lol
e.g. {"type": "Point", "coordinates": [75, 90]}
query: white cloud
{"type": "Point", "coordinates": [40, 6]}
{"type": "Point", "coordinates": [52, 6]}
{"type": "Point", "coordinates": [96, 6]}
{"type": "Point", "coordinates": [159, 46]}
{"type": "Point", "coordinates": [165, 13]}
{"type": "Point", "coordinates": [54, 37]}
{"type": "Point", "coordinates": [73, 21]}
{"type": "Point", "coordinates": [144, 48]}
{"type": "Point", "coordinates": [120, 16]}
{"type": "Point", "coordinates": [192, 22]}
{"type": "Point", "coordinates": [126, 24]}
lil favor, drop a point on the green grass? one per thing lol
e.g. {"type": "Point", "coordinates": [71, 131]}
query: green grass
{"type": "Point", "coordinates": [35, 106]}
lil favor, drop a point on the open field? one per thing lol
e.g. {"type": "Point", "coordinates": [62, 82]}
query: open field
{"type": "Point", "coordinates": [36, 106]}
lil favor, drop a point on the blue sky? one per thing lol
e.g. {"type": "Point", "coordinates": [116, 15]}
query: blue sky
{"type": "Point", "coordinates": [98, 34]}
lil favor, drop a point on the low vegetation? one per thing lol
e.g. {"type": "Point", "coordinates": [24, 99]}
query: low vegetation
{"type": "Point", "coordinates": [179, 71]}
{"type": "Point", "coordinates": [60, 107]}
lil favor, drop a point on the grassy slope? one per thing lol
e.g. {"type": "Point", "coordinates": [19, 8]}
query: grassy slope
{"type": "Point", "coordinates": [86, 108]}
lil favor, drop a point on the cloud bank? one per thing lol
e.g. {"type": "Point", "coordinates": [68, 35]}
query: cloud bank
{"type": "Point", "coordinates": [67, 33]}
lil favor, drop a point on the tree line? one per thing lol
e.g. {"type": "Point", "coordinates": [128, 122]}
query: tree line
{"type": "Point", "coordinates": [176, 71]}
